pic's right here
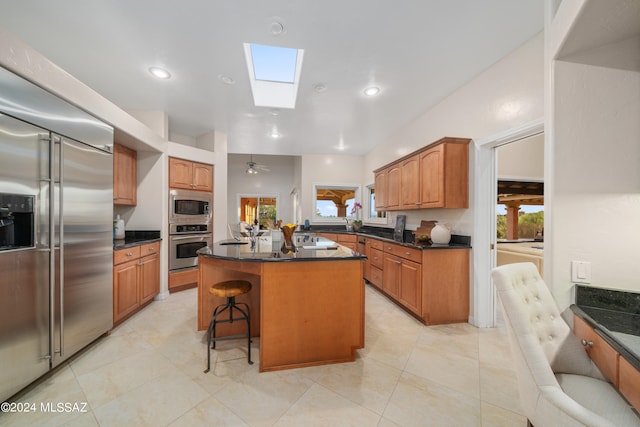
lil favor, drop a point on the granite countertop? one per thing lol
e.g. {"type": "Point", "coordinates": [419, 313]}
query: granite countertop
{"type": "Point", "coordinates": [273, 251]}
{"type": "Point", "coordinates": [386, 234]}
{"type": "Point", "coordinates": [136, 238]}
{"type": "Point", "coordinates": [615, 315]}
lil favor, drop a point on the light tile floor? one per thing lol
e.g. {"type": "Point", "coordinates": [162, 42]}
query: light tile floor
{"type": "Point", "coordinates": [149, 372]}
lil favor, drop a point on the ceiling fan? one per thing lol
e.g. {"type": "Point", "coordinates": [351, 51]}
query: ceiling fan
{"type": "Point", "coordinates": [253, 168]}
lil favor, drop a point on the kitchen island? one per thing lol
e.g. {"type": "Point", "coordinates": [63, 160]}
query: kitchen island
{"type": "Point", "coordinates": [307, 305]}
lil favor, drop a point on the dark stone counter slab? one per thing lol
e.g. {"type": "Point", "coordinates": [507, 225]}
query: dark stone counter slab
{"type": "Point", "coordinates": [136, 238]}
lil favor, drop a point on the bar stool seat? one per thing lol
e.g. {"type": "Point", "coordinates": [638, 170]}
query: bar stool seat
{"type": "Point", "coordinates": [229, 289]}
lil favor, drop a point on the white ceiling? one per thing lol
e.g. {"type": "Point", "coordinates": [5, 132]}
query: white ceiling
{"type": "Point", "coordinates": [416, 51]}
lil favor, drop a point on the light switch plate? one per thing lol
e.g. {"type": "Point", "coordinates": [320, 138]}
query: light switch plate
{"type": "Point", "coordinates": [580, 271]}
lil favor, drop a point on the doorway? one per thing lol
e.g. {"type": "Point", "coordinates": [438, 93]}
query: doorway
{"type": "Point", "coordinates": [484, 229]}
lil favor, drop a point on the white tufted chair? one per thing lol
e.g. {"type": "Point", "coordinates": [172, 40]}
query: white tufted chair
{"type": "Point", "coordinates": [559, 384]}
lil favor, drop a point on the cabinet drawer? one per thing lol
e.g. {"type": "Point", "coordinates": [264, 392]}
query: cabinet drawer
{"type": "Point", "coordinates": [124, 255]}
{"type": "Point", "coordinates": [376, 244]}
{"type": "Point", "coordinates": [414, 255]}
{"type": "Point", "coordinates": [376, 258]}
{"type": "Point", "coordinates": [348, 238]}
{"type": "Point", "coordinates": [602, 354]}
{"type": "Point", "coordinates": [150, 249]}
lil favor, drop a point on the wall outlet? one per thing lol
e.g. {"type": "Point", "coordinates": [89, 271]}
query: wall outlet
{"type": "Point", "coordinates": [580, 271]}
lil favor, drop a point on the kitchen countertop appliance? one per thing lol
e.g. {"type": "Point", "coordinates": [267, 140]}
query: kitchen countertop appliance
{"type": "Point", "coordinates": [56, 228]}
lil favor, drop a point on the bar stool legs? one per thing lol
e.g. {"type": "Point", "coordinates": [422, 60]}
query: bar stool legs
{"type": "Point", "coordinates": [231, 305]}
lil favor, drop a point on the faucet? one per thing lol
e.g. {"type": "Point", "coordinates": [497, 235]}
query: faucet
{"type": "Point", "coordinates": [349, 226]}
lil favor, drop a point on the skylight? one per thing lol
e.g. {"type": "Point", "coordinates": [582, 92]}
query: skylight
{"type": "Point", "coordinates": [272, 63]}
{"type": "Point", "coordinates": [274, 73]}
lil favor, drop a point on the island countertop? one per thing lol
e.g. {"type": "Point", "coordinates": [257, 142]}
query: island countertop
{"type": "Point", "coordinates": [267, 250]}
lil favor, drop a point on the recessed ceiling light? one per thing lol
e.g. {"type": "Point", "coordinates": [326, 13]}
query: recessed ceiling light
{"type": "Point", "coordinates": [319, 87]}
{"type": "Point", "coordinates": [372, 91]}
{"type": "Point", "coordinates": [226, 79]}
{"type": "Point", "coordinates": [160, 73]}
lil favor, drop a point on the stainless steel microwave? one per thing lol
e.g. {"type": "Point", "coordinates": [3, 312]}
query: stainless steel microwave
{"type": "Point", "coordinates": [189, 207]}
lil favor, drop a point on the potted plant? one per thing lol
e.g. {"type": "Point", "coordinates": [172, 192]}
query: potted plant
{"type": "Point", "coordinates": [357, 222]}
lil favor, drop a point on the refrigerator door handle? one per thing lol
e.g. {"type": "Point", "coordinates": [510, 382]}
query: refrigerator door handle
{"type": "Point", "coordinates": [56, 244]}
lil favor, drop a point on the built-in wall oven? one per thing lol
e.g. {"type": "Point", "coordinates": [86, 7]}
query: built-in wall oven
{"type": "Point", "coordinates": [184, 242]}
{"type": "Point", "coordinates": [190, 226]}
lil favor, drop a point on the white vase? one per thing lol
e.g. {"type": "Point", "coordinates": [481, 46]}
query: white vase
{"type": "Point", "coordinates": [440, 234]}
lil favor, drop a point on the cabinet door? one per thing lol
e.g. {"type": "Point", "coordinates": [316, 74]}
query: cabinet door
{"type": "Point", "coordinates": [630, 382]}
{"type": "Point", "coordinates": [410, 183]}
{"type": "Point", "coordinates": [380, 186]}
{"type": "Point", "coordinates": [202, 177]}
{"type": "Point", "coordinates": [125, 289]}
{"type": "Point", "coordinates": [432, 177]}
{"type": "Point", "coordinates": [411, 286]}
{"type": "Point", "coordinates": [149, 277]}
{"type": "Point", "coordinates": [393, 187]}
{"type": "Point", "coordinates": [391, 275]}
{"type": "Point", "coordinates": [180, 173]}
{"type": "Point", "coordinates": [125, 175]}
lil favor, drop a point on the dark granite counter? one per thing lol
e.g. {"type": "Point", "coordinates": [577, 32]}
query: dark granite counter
{"type": "Point", "coordinates": [267, 250]}
{"type": "Point", "coordinates": [386, 234]}
{"type": "Point", "coordinates": [614, 315]}
{"type": "Point", "coordinates": [136, 238]}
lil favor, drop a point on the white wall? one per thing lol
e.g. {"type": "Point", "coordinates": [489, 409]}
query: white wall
{"type": "Point", "coordinates": [280, 180]}
{"type": "Point", "coordinates": [596, 174]}
{"type": "Point", "coordinates": [522, 160]}
{"type": "Point", "coordinates": [327, 170]}
{"type": "Point", "coordinates": [508, 94]}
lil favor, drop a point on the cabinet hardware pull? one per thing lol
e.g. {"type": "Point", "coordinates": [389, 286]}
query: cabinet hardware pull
{"type": "Point", "coordinates": [129, 254]}
{"type": "Point", "coordinates": [398, 262]}
{"type": "Point", "coordinates": [587, 343]}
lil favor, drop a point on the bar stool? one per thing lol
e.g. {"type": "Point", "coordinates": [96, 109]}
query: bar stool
{"type": "Point", "coordinates": [228, 289]}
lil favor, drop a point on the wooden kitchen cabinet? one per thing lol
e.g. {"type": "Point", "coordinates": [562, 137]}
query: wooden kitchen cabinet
{"type": "Point", "coordinates": [190, 175]}
{"type": "Point", "coordinates": [380, 185]}
{"type": "Point", "coordinates": [348, 240]}
{"type": "Point", "coordinates": [444, 174]}
{"type": "Point", "coordinates": [410, 183]}
{"type": "Point", "coordinates": [125, 175]}
{"type": "Point", "coordinates": [629, 382]}
{"type": "Point", "coordinates": [431, 284]}
{"type": "Point", "coordinates": [624, 376]}
{"type": "Point", "coordinates": [387, 184]}
{"type": "Point", "coordinates": [136, 279]}
{"type": "Point", "coordinates": [402, 277]}
{"type": "Point", "coordinates": [602, 354]}
{"type": "Point", "coordinates": [436, 176]}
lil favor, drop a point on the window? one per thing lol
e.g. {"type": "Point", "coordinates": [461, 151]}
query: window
{"type": "Point", "coordinates": [335, 202]}
{"type": "Point", "coordinates": [372, 215]}
{"type": "Point", "coordinates": [263, 208]}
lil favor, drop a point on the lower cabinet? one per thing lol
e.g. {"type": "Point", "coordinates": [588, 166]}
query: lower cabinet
{"type": "Point", "coordinates": [612, 364]}
{"type": "Point", "coordinates": [432, 284]}
{"type": "Point", "coordinates": [136, 278]}
{"type": "Point", "coordinates": [401, 280]}
{"type": "Point", "coordinates": [348, 240]}
{"type": "Point", "coordinates": [598, 349]}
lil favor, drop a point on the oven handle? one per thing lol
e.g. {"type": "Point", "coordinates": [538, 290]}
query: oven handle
{"type": "Point", "coordinates": [187, 237]}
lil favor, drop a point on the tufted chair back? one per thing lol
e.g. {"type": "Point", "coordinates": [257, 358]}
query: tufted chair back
{"type": "Point", "coordinates": [542, 346]}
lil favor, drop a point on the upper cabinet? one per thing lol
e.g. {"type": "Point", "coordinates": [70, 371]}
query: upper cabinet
{"type": "Point", "coordinates": [436, 176]}
{"type": "Point", "coordinates": [125, 175]}
{"type": "Point", "coordinates": [190, 175]}
{"type": "Point", "coordinates": [388, 180]}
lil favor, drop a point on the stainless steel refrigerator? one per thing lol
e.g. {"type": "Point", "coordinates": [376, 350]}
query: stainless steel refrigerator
{"type": "Point", "coordinates": [56, 231]}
